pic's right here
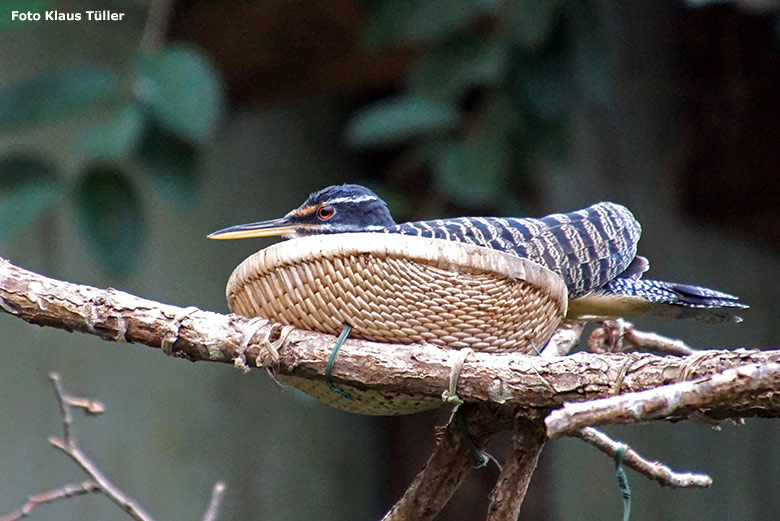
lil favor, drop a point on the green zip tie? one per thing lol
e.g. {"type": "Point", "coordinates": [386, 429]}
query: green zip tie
{"type": "Point", "coordinates": [332, 360]}
{"type": "Point", "coordinates": [482, 458]}
{"type": "Point", "coordinates": [623, 481]}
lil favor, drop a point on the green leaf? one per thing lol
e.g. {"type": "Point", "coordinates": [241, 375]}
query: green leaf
{"type": "Point", "coordinates": [542, 80]}
{"type": "Point", "coordinates": [473, 171]}
{"type": "Point", "coordinates": [28, 186]}
{"type": "Point", "coordinates": [53, 95]}
{"type": "Point", "coordinates": [395, 120]}
{"type": "Point", "coordinates": [416, 21]}
{"type": "Point", "coordinates": [447, 72]}
{"type": "Point", "coordinates": [110, 216]}
{"type": "Point", "coordinates": [182, 90]}
{"type": "Point", "coordinates": [172, 165]}
{"type": "Point", "coordinates": [115, 137]}
{"type": "Point", "coordinates": [530, 21]}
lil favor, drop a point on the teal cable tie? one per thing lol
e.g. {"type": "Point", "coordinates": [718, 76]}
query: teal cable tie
{"type": "Point", "coordinates": [482, 458]}
{"type": "Point", "coordinates": [331, 362]}
{"type": "Point", "coordinates": [623, 482]}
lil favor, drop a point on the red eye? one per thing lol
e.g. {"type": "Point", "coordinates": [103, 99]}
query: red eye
{"type": "Point", "coordinates": [325, 212]}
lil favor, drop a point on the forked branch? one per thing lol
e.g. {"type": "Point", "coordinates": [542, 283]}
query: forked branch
{"type": "Point", "coordinates": [503, 380]}
{"type": "Point", "coordinates": [521, 388]}
{"type": "Point", "coordinates": [98, 482]}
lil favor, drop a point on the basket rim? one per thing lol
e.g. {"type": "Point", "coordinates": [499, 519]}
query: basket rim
{"type": "Point", "coordinates": [442, 253]}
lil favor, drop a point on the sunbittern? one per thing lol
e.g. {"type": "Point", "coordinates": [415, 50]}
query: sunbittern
{"type": "Point", "coordinates": [593, 250]}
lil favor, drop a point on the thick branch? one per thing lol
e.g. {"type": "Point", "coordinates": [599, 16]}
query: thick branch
{"type": "Point", "coordinates": [413, 369]}
{"type": "Point", "coordinates": [528, 439]}
{"type": "Point", "coordinates": [445, 469]}
{"type": "Point", "coordinates": [744, 384]}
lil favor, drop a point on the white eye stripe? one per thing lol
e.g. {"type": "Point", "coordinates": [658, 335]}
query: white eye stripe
{"type": "Point", "coordinates": [353, 199]}
{"type": "Point", "coordinates": [336, 228]}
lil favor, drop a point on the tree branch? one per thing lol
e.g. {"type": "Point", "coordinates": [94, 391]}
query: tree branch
{"type": "Point", "coordinates": [652, 469]}
{"type": "Point", "coordinates": [448, 465]}
{"type": "Point", "coordinates": [501, 388]}
{"type": "Point", "coordinates": [528, 439]}
{"type": "Point", "coordinates": [506, 379]}
{"type": "Point", "coordinates": [64, 492]}
{"type": "Point", "coordinates": [68, 446]}
{"type": "Point", "coordinates": [98, 482]}
{"type": "Point", "coordinates": [746, 384]}
{"type": "Point", "coordinates": [621, 335]}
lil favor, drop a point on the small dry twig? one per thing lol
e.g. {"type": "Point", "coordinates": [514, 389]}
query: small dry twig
{"type": "Point", "coordinates": [216, 500]}
{"type": "Point", "coordinates": [654, 470]}
{"type": "Point", "coordinates": [98, 482]}
{"type": "Point", "coordinates": [68, 445]}
{"type": "Point", "coordinates": [65, 492]}
{"type": "Point", "coordinates": [612, 334]}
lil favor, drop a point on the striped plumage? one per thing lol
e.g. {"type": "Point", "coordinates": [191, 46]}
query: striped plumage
{"type": "Point", "coordinates": [588, 248]}
{"type": "Point", "coordinates": [593, 250]}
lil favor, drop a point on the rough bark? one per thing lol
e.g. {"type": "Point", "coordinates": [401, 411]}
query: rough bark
{"type": "Point", "coordinates": [528, 439]}
{"type": "Point", "coordinates": [448, 465]}
{"type": "Point", "coordinates": [512, 379]}
{"type": "Point", "coordinates": [719, 384]}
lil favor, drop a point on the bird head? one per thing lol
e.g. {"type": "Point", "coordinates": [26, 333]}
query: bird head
{"type": "Point", "coordinates": [335, 209]}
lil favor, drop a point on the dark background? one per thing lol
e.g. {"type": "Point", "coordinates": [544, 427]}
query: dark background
{"type": "Point", "coordinates": [122, 144]}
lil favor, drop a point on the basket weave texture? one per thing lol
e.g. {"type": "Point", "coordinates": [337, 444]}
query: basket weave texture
{"type": "Point", "coordinates": [402, 289]}
{"type": "Point", "coordinates": [399, 289]}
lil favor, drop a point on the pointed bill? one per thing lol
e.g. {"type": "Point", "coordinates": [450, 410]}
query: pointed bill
{"type": "Point", "coordinates": [272, 228]}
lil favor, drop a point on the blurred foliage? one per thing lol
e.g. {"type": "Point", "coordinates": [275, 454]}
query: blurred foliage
{"type": "Point", "coordinates": [109, 211]}
{"type": "Point", "coordinates": [146, 119]}
{"type": "Point", "coordinates": [54, 94]}
{"type": "Point", "coordinates": [490, 92]}
{"type": "Point", "coordinates": [29, 185]}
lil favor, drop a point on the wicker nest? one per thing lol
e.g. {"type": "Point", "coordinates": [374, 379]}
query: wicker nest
{"type": "Point", "coordinates": [400, 289]}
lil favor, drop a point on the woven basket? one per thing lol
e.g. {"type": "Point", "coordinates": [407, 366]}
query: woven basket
{"type": "Point", "coordinates": [401, 289]}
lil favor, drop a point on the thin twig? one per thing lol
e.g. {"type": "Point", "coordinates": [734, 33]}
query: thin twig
{"type": "Point", "coordinates": [89, 406]}
{"type": "Point", "coordinates": [654, 470]}
{"type": "Point", "coordinates": [613, 333]}
{"type": "Point", "coordinates": [65, 411]}
{"type": "Point", "coordinates": [217, 493]}
{"type": "Point", "coordinates": [68, 445]}
{"type": "Point", "coordinates": [98, 481]}
{"type": "Point", "coordinates": [65, 492]}
{"type": "Point", "coordinates": [563, 340]}
{"type": "Point", "coordinates": [683, 398]}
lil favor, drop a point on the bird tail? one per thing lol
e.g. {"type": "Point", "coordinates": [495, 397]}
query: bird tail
{"type": "Point", "coordinates": [631, 296]}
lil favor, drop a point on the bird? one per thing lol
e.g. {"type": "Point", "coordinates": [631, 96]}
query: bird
{"type": "Point", "coordinates": [594, 251]}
